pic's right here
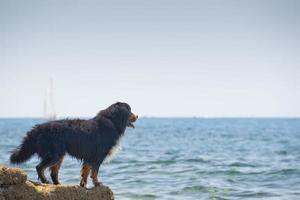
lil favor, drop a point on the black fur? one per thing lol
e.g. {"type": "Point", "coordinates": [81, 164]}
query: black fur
{"type": "Point", "coordinates": [88, 140]}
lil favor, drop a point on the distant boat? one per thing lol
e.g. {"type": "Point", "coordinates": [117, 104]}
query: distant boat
{"type": "Point", "coordinates": [49, 109]}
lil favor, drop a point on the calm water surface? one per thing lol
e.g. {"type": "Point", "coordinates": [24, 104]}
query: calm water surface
{"type": "Point", "coordinates": [190, 158]}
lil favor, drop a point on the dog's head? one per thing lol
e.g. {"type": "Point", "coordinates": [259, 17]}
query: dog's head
{"type": "Point", "coordinates": [120, 114]}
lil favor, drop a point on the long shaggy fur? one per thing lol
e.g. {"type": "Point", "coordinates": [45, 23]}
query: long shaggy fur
{"type": "Point", "coordinates": [25, 150]}
{"type": "Point", "coordinates": [88, 140]}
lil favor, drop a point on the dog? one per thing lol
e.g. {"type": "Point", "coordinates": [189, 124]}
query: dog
{"type": "Point", "coordinates": [90, 141]}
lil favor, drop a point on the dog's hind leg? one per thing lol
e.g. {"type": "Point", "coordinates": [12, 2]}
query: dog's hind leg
{"type": "Point", "coordinates": [54, 171]}
{"type": "Point", "coordinates": [85, 170]}
{"type": "Point", "coordinates": [47, 161]}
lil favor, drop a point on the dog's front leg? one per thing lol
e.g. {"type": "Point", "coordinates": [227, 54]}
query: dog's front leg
{"type": "Point", "coordinates": [94, 175]}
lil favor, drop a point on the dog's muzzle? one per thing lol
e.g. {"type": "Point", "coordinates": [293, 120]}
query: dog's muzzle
{"type": "Point", "coordinates": [132, 118]}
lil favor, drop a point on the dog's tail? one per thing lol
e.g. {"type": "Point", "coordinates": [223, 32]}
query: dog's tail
{"type": "Point", "coordinates": [25, 150]}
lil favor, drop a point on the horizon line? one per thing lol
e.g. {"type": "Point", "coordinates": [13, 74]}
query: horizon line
{"type": "Point", "coordinates": [164, 117]}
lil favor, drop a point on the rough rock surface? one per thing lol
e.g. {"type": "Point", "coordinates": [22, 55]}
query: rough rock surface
{"type": "Point", "coordinates": [11, 176]}
{"type": "Point", "coordinates": [13, 186]}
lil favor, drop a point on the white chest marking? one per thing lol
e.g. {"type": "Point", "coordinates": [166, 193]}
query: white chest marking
{"type": "Point", "coordinates": [114, 151]}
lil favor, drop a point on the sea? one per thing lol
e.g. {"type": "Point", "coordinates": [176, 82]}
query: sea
{"type": "Point", "coordinates": [189, 158]}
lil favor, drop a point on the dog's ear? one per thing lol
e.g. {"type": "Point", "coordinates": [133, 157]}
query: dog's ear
{"type": "Point", "coordinates": [119, 115]}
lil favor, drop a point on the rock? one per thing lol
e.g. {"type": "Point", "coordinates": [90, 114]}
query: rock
{"type": "Point", "coordinates": [11, 176]}
{"type": "Point", "coordinates": [13, 186]}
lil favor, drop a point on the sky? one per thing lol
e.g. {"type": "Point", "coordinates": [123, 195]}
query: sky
{"type": "Point", "coordinates": [166, 58]}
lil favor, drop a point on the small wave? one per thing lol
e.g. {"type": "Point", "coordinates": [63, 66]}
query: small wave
{"type": "Point", "coordinates": [240, 164]}
{"type": "Point", "coordinates": [196, 160]}
{"type": "Point", "coordinates": [199, 188]}
{"type": "Point", "coordinates": [143, 196]}
{"type": "Point", "coordinates": [286, 172]}
{"type": "Point", "coordinates": [248, 194]}
{"type": "Point", "coordinates": [230, 180]}
{"type": "Point", "coordinates": [213, 192]}
{"type": "Point", "coordinates": [229, 172]}
{"type": "Point", "coordinates": [284, 153]}
{"type": "Point", "coordinates": [163, 162]}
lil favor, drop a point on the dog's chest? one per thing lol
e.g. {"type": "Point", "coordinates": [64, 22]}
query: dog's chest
{"type": "Point", "coordinates": [114, 150]}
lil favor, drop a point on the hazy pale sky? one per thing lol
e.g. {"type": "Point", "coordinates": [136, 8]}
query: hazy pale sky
{"type": "Point", "coordinates": [163, 57]}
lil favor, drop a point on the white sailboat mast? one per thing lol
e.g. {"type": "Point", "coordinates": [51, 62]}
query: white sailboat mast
{"type": "Point", "coordinates": [49, 109]}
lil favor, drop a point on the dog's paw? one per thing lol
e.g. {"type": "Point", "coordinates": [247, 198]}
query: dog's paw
{"type": "Point", "coordinates": [82, 183]}
{"type": "Point", "coordinates": [46, 182]}
{"type": "Point", "coordinates": [97, 184]}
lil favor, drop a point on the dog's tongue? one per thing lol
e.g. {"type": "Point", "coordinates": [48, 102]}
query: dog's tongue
{"type": "Point", "coordinates": [131, 125]}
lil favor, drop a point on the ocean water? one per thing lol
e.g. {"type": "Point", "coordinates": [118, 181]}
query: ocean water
{"type": "Point", "coordinates": [190, 159]}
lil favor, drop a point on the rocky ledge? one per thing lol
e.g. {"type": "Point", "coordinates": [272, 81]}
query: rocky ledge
{"type": "Point", "coordinates": [14, 186]}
